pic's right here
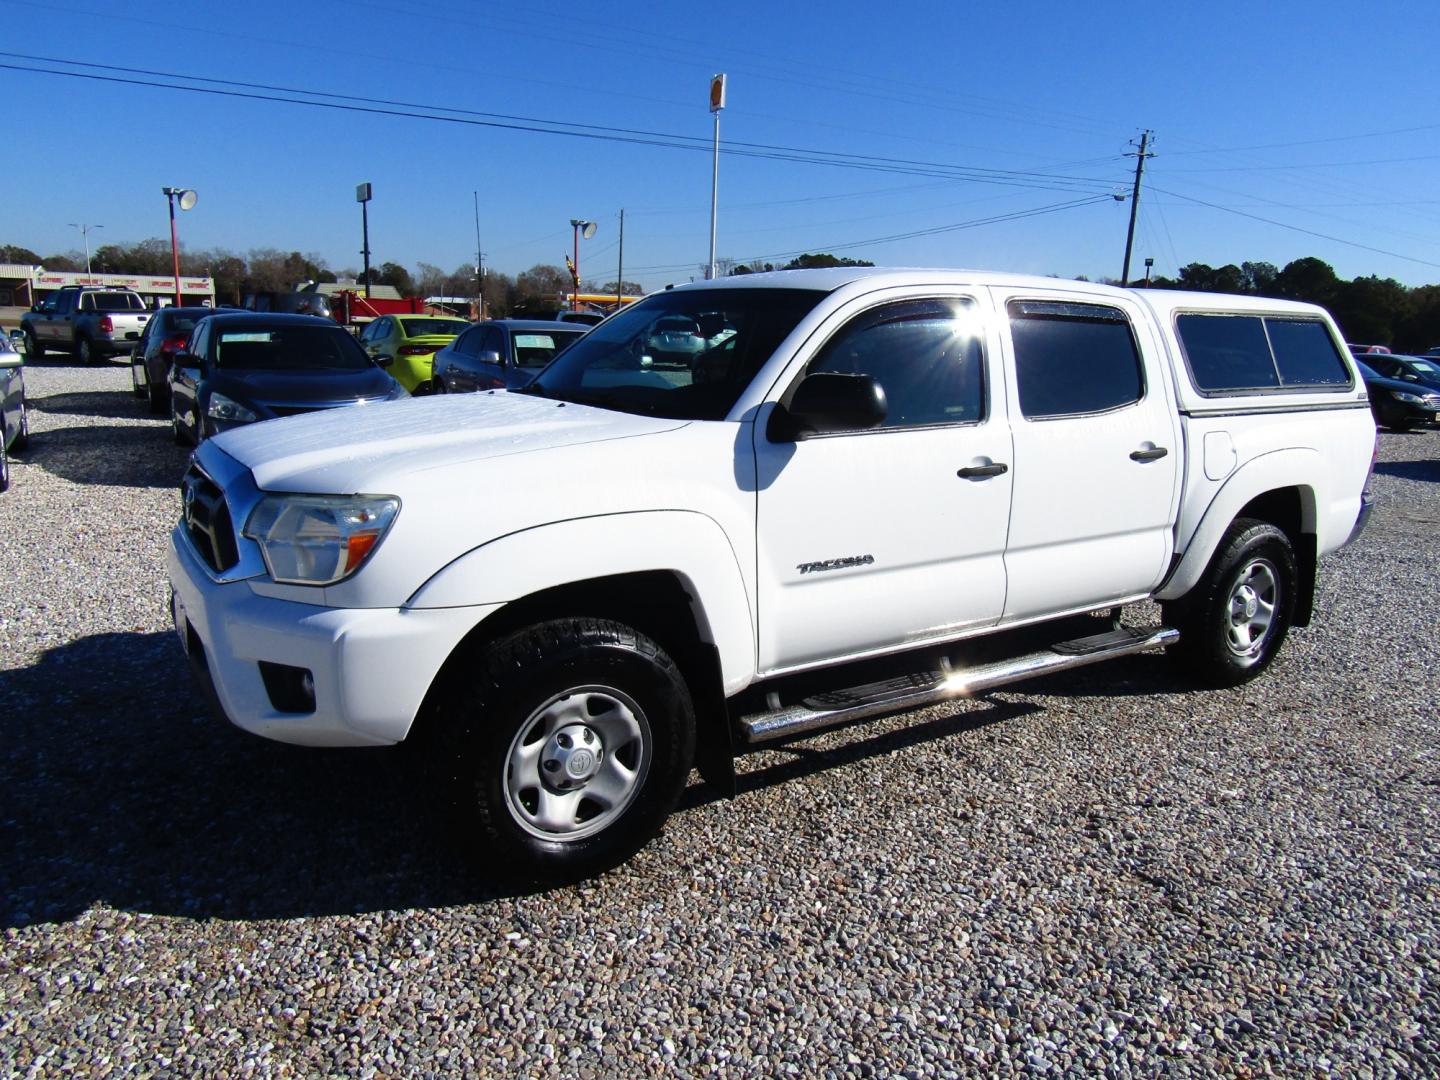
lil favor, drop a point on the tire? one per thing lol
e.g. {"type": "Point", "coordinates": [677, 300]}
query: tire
{"type": "Point", "coordinates": [437, 386]}
{"type": "Point", "coordinates": [1233, 622]}
{"type": "Point", "coordinates": [176, 431]}
{"type": "Point", "coordinates": [422, 389]}
{"type": "Point", "coordinates": [1401, 426]}
{"type": "Point", "coordinates": [136, 387]}
{"type": "Point", "coordinates": [570, 742]}
{"type": "Point", "coordinates": [84, 351]}
{"type": "Point", "coordinates": [4, 465]}
{"type": "Point", "coordinates": [22, 438]}
{"type": "Point", "coordinates": [33, 349]}
{"type": "Point", "coordinates": [159, 397]}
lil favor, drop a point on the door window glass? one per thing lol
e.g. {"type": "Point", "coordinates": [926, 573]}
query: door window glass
{"type": "Point", "coordinates": [1073, 359]}
{"type": "Point", "coordinates": [925, 354]}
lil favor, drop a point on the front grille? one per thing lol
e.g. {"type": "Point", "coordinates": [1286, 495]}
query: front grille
{"type": "Point", "coordinates": [291, 410]}
{"type": "Point", "coordinates": [207, 520]}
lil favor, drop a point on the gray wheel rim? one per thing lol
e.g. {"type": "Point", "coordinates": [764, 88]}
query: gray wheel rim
{"type": "Point", "coordinates": [1252, 609]}
{"type": "Point", "coordinates": [577, 763]}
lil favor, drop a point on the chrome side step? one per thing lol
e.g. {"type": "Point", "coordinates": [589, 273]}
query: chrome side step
{"type": "Point", "coordinates": [930, 687]}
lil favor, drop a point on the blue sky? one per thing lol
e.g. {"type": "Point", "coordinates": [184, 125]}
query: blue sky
{"type": "Point", "coordinates": [1319, 116]}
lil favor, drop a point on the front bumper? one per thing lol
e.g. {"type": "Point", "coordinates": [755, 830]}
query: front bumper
{"type": "Point", "coordinates": [372, 667]}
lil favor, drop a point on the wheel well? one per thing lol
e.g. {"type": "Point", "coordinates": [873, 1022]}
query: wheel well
{"type": "Point", "coordinates": [1288, 510]}
{"type": "Point", "coordinates": [659, 605]}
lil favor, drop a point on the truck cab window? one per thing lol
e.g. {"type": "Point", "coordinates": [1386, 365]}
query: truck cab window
{"type": "Point", "coordinates": [1073, 359]}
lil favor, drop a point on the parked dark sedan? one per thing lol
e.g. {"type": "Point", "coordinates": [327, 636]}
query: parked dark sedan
{"type": "Point", "coordinates": [1411, 369]}
{"type": "Point", "coordinates": [501, 353]}
{"type": "Point", "coordinates": [246, 367]}
{"type": "Point", "coordinates": [1398, 405]}
{"type": "Point", "coordinates": [163, 337]}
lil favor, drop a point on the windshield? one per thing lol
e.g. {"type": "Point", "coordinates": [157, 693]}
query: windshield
{"type": "Point", "coordinates": [417, 327]}
{"type": "Point", "coordinates": [1424, 368]}
{"type": "Point", "coordinates": [292, 348]}
{"type": "Point", "coordinates": [685, 354]}
{"type": "Point", "coordinates": [535, 349]}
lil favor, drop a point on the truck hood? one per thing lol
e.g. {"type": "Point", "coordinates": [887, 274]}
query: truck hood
{"type": "Point", "coordinates": [371, 448]}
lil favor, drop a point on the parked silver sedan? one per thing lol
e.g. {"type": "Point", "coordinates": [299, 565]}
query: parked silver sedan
{"type": "Point", "coordinates": [14, 427]}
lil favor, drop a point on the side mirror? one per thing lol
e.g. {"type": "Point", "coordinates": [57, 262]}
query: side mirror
{"type": "Point", "coordinates": [490, 356]}
{"type": "Point", "coordinates": [10, 360]}
{"type": "Point", "coordinates": [384, 359]}
{"type": "Point", "coordinates": [829, 401]}
{"type": "Point", "coordinates": [188, 360]}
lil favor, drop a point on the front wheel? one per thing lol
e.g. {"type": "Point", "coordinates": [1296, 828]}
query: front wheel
{"type": "Point", "coordinates": [571, 741]}
{"type": "Point", "coordinates": [1233, 622]}
{"type": "Point", "coordinates": [136, 386]}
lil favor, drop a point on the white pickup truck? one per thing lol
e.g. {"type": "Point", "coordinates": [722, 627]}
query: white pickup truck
{"type": "Point", "coordinates": [868, 490]}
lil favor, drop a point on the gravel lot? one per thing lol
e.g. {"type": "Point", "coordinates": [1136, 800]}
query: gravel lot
{"type": "Point", "coordinates": [1094, 873]}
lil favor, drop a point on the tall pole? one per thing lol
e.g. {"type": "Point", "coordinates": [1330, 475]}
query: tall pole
{"type": "Point", "coordinates": [620, 272]}
{"type": "Point", "coordinates": [365, 243]}
{"type": "Point", "coordinates": [85, 232]}
{"type": "Point", "coordinates": [575, 296]}
{"type": "Point", "coordinates": [479, 263]}
{"type": "Point", "coordinates": [174, 244]}
{"type": "Point", "coordinates": [717, 102]}
{"type": "Point", "coordinates": [1135, 203]}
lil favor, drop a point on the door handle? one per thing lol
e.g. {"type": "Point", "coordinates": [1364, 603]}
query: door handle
{"type": "Point", "coordinates": [979, 472]}
{"type": "Point", "coordinates": [1148, 455]}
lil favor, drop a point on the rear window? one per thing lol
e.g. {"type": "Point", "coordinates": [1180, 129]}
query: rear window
{"type": "Point", "coordinates": [116, 301]}
{"type": "Point", "coordinates": [419, 327]}
{"type": "Point", "coordinates": [1255, 353]}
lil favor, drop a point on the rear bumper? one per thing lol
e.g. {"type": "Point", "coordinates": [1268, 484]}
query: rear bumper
{"type": "Point", "coordinates": [1367, 504]}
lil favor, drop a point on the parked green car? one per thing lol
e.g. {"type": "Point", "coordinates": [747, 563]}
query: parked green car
{"type": "Point", "coordinates": [412, 340]}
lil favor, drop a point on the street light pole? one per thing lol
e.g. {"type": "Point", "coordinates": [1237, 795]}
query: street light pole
{"type": "Point", "coordinates": [186, 198]}
{"type": "Point", "coordinates": [362, 196]}
{"type": "Point", "coordinates": [85, 232]}
{"type": "Point", "coordinates": [717, 102]}
{"type": "Point", "coordinates": [588, 228]}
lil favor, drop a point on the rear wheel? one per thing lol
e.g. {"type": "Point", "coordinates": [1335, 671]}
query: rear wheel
{"type": "Point", "coordinates": [159, 397]}
{"type": "Point", "coordinates": [33, 349]}
{"type": "Point", "coordinates": [136, 386]}
{"type": "Point", "coordinates": [571, 741]}
{"type": "Point", "coordinates": [4, 466]}
{"type": "Point", "coordinates": [177, 430]}
{"type": "Point", "coordinates": [1236, 618]}
{"type": "Point", "coordinates": [85, 351]}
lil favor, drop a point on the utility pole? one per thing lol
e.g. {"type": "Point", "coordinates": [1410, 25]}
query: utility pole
{"type": "Point", "coordinates": [85, 232]}
{"type": "Point", "coordinates": [620, 273]}
{"type": "Point", "coordinates": [363, 193]}
{"type": "Point", "coordinates": [717, 102]}
{"type": "Point", "coordinates": [1135, 201]}
{"type": "Point", "coordinates": [479, 263]}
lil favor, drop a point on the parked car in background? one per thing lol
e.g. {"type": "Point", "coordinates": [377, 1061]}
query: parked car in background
{"type": "Point", "coordinates": [501, 353]}
{"type": "Point", "coordinates": [14, 427]}
{"type": "Point", "coordinates": [411, 341]}
{"type": "Point", "coordinates": [587, 318]}
{"type": "Point", "coordinates": [1398, 405]}
{"type": "Point", "coordinates": [1412, 369]}
{"type": "Point", "coordinates": [164, 336]}
{"type": "Point", "coordinates": [238, 369]}
{"type": "Point", "coordinates": [1362, 350]}
{"type": "Point", "coordinates": [89, 323]}
{"type": "Point", "coordinates": [304, 302]}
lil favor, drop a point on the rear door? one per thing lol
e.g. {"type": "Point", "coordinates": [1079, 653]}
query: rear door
{"type": "Point", "coordinates": [877, 539]}
{"type": "Point", "coordinates": [1097, 452]}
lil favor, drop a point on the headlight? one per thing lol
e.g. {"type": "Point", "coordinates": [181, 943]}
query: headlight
{"type": "Point", "coordinates": [1413, 399]}
{"type": "Point", "coordinates": [319, 539]}
{"type": "Point", "coordinates": [398, 393]}
{"type": "Point", "coordinates": [224, 408]}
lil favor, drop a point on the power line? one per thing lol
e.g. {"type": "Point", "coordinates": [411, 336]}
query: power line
{"type": "Point", "coordinates": [1295, 228]}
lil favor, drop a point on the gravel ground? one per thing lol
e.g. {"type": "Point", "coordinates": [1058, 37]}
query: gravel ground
{"type": "Point", "coordinates": [1096, 873]}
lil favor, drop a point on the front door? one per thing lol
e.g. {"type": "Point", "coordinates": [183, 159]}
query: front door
{"type": "Point", "coordinates": [868, 540]}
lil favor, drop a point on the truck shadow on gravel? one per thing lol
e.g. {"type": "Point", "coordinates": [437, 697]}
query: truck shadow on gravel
{"type": "Point", "coordinates": [1425, 471]}
{"type": "Point", "coordinates": [110, 455]}
{"type": "Point", "coordinates": [108, 404]}
{"type": "Point", "coordinates": [118, 788]}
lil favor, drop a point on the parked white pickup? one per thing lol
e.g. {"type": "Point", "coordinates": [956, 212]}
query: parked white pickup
{"type": "Point", "coordinates": [859, 496]}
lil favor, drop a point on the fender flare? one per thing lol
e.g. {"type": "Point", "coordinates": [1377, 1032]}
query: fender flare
{"type": "Point", "coordinates": [1297, 467]}
{"type": "Point", "coordinates": [690, 545]}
